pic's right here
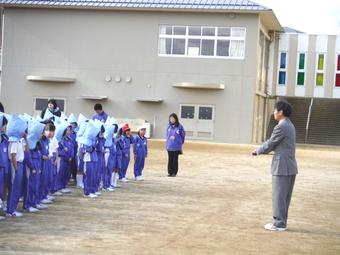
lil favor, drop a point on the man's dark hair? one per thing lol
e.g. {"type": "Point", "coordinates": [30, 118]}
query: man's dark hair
{"type": "Point", "coordinates": [98, 107]}
{"type": "Point", "coordinates": [285, 107]}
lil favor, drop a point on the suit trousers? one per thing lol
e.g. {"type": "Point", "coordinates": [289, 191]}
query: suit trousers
{"type": "Point", "coordinates": [282, 189]}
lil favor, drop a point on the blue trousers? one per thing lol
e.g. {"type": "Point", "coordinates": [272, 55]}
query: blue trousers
{"type": "Point", "coordinates": [31, 196]}
{"type": "Point", "coordinates": [100, 170]}
{"type": "Point", "coordinates": [139, 165]}
{"type": "Point", "coordinates": [15, 187]}
{"type": "Point", "coordinates": [63, 175]}
{"type": "Point", "coordinates": [108, 170]}
{"type": "Point", "coordinates": [45, 178]}
{"type": "Point", "coordinates": [89, 177]}
{"type": "Point", "coordinates": [2, 181]}
{"type": "Point", "coordinates": [125, 166]}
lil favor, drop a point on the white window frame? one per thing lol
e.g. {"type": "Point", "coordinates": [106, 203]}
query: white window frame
{"type": "Point", "coordinates": [201, 37]}
{"type": "Point", "coordinates": [282, 69]}
{"type": "Point", "coordinates": [320, 71]}
{"type": "Point", "coordinates": [336, 69]}
{"type": "Point", "coordinates": [298, 70]}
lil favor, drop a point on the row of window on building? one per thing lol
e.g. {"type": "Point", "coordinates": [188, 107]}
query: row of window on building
{"type": "Point", "coordinates": [202, 41]}
{"type": "Point", "coordinates": [301, 69]}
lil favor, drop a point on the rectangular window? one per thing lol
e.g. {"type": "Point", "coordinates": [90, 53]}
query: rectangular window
{"type": "Point", "coordinates": [41, 104]}
{"type": "Point", "coordinates": [205, 113]}
{"type": "Point", "coordinates": [202, 41]}
{"type": "Point", "coordinates": [282, 69]}
{"type": "Point", "coordinates": [337, 72]}
{"type": "Point", "coordinates": [320, 69]}
{"type": "Point", "coordinates": [301, 70]}
{"type": "Point", "coordinates": [187, 112]}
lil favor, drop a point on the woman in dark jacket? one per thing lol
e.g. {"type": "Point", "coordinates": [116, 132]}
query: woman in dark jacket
{"type": "Point", "coordinates": [52, 107]}
{"type": "Point", "coordinates": [175, 137]}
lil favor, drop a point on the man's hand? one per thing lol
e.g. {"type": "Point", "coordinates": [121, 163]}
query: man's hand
{"type": "Point", "coordinates": [254, 153]}
{"type": "Point", "coordinates": [45, 157]}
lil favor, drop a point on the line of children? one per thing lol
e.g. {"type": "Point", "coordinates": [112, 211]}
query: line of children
{"type": "Point", "coordinates": [37, 158]}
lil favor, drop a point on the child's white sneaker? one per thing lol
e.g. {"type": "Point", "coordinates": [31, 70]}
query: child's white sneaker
{"type": "Point", "coordinates": [32, 210]}
{"type": "Point", "coordinates": [2, 218]}
{"type": "Point", "coordinates": [15, 214]}
{"type": "Point", "coordinates": [66, 190]}
{"type": "Point", "coordinates": [110, 189]}
{"type": "Point", "coordinates": [49, 197]}
{"type": "Point", "coordinates": [41, 206]}
{"type": "Point", "coordinates": [124, 179]}
{"type": "Point", "coordinates": [91, 195]}
{"type": "Point", "coordinates": [46, 201]}
{"type": "Point", "coordinates": [97, 193]}
{"type": "Point", "coordinates": [58, 193]}
{"type": "Point", "coordinates": [4, 206]}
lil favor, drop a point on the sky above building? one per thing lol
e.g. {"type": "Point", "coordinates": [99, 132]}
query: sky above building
{"type": "Point", "coordinates": [310, 16]}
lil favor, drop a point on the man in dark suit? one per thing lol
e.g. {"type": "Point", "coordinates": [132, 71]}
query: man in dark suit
{"type": "Point", "coordinates": [284, 167]}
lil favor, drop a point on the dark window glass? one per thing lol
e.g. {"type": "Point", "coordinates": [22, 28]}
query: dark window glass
{"type": "Point", "coordinates": [208, 47]}
{"type": "Point", "coordinates": [283, 60]}
{"type": "Point", "coordinates": [41, 104]}
{"type": "Point", "coordinates": [208, 31]}
{"type": "Point", "coordinates": [195, 31]}
{"type": "Point", "coordinates": [222, 48]}
{"type": "Point", "coordinates": [205, 113]}
{"type": "Point", "coordinates": [223, 31]}
{"type": "Point", "coordinates": [178, 46]}
{"type": "Point", "coordinates": [187, 112]}
{"type": "Point", "coordinates": [180, 30]}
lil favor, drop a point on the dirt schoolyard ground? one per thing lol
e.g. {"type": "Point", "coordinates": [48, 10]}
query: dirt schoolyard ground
{"type": "Point", "coordinates": [218, 204]}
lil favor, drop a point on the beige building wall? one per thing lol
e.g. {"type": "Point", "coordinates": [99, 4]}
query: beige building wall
{"type": "Point", "coordinates": [91, 45]}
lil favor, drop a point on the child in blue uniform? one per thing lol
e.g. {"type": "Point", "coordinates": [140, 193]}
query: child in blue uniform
{"type": "Point", "coordinates": [33, 163]}
{"type": "Point", "coordinates": [66, 154]}
{"type": "Point", "coordinates": [88, 141]}
{"type": "Point", "coordinates": [127, 140]}
{"type": "Point", "coordinates": [110, 156]}
{"type": "Point", "coordinates": [100, 166]}
{"type": "Point", "coordinates": [16, 148]}
{"type": "Point", "coordinates": [48, 160]}
{"type": "Point", "coordinates": [117, 166]}
{"type": "Point", "coordinates": [140, 150]}
{"type": "Point", "coordinates": [4, 162]}
{"type": "Point", "coordinates": [80, 153]}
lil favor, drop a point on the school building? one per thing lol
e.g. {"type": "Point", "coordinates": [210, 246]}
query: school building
{"type": "Point", "coordinates": [219, 64]}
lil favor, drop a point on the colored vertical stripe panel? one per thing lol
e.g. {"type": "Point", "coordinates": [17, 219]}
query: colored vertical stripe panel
{"type": "Point", "coordinates": [282, 78]}
{"type": "Point", "coordinates": [319, 79]}
{"type": "Point", "coordinates": [302, 61]}
{"type": "Point", "coordinates": [321, 60]}
{"type": "Point", "coordinates": [301, 79]}
{"type": "Point", "coordinates": [338, 65]}
{"type": "Point", "coordinates": [337, 80]}
{"type": "Point", "coordinates": [283, 59]}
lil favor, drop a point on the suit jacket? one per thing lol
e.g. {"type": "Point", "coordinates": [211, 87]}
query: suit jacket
{"type": "Point", "coordinates": [282, 142]}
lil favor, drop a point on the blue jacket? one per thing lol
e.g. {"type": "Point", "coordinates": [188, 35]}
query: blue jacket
{"type": "Point", "coordinates": [175, 137]}
{"type": "Point", "coordinates": [127, 141]}
{"type": "Point", "coordinates": [4, 161]}
{"type": "Point", "coordinates": [63, 153]}
{"type": "Point", "coordinates": [33, 159]}
{"type": "Point", "coordinates": [140, 146]}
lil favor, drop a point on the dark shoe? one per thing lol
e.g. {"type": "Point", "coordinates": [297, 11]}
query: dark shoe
{"type": "Point", "coordinates": [173, 175]}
